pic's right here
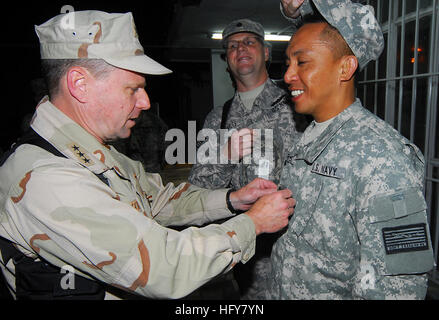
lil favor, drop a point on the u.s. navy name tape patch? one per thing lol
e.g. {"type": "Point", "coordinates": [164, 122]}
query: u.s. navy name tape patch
{"type": "Point", "coordinates": [405, 238]}
{"type": "Point", "coordinates": [328, 171]}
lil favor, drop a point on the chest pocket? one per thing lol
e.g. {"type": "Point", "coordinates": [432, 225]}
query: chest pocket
{"type": "Point", "coordinates": [324, 216]}
{"type": "Point", "coordinates": [267, 155]}
{"type": "Point", "coordinates": [305, 208]}
{"type": "Point", "coordinates": [128, 190]}
{"type": "Point", "coordinates": [322, 190]}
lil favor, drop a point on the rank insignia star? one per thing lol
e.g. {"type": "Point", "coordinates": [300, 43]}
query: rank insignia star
{"type": "Point", "coordinates": [81, 154]}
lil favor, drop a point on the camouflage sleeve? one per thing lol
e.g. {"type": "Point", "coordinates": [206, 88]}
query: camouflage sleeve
{"type": "Point", "coordinates": [184, 204]}
{"type": "Point", "coordinates": [396, 251]}
{"type": "Point", "coordinates": [212, 175]}
{"type": "Point", "coordinates": [77, 220]}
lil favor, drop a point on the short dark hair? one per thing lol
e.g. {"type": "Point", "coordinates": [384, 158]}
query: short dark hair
{"type": "Point", "coordinates": [54, 69]}
{"type": "Point", "coordinates": [340, 47]}
{"type": "Point", "coordinates": [330, 33]}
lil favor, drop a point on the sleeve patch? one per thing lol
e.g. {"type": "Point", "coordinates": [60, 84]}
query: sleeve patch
{"type": "Point", "coordinates": [405, 238]}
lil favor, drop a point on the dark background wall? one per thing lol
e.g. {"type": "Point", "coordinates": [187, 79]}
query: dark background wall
{"type": "Point", "coordinates": [182, 96]}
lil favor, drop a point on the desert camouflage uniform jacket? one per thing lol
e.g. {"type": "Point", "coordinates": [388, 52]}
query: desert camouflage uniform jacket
{"type": "Point", "coordinates": [271, 110]}
{"type": "Point", "coordinates": [57, 207]}
{"type": "Point", "coordinates": [359, 229]}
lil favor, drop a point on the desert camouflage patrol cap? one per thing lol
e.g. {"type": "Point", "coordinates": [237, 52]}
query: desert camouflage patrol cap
{"type": "Point", "coordinates": [243, 25]}
{"type": "Point", "coordinates": [357, 25]}
{"type": "Point", "coordinates": [96, 35]}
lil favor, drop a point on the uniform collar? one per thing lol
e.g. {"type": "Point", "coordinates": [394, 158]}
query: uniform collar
{"type": "Point", "coordinates": [270, 97]}
{"type": "Point", "coordinates": [274, 94]}
{"type": "Point", "coordinates": [311, 151]}
{"type": "Point", "coordinates": [72, 140]}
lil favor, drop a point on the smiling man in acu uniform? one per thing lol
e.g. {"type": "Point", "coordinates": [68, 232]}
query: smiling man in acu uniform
{"type": "Point", "coordinates": [360, 226]}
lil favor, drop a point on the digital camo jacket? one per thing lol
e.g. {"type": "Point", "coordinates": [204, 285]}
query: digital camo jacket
{"type": "Point", "coordinates": [271, 111]}
{"type": "Point", "coordinates": [59, 209]}
{"type": "Point", "coordinates": [359, 229]}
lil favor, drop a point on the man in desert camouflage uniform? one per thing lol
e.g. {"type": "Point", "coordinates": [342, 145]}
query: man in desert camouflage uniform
{"type": "Point", "coordinates": [258, 103]}
{"type": "Point", "coordinates": [80, 205]}
{"type": "Point", "coordinates": [360, 229]}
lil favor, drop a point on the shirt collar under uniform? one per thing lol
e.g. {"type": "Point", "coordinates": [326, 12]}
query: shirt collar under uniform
{"type": "Point", "coordinates": [270, 97]}
{"type": "Point", "coordinates": [311, 151]}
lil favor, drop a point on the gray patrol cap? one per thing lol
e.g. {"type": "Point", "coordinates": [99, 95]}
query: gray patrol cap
{"type": "Point", "coordinates": [243, 25]}
{"type": "Point", "coordinates": [357, 25]}
{"type": "Point", "coordinates": [96, 35]}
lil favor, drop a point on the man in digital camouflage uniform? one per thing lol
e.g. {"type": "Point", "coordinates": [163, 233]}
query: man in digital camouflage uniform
{"type": "Point", "coordinates": [360, 228]}
{"type": "Point", "coordinates": [80, 205]}
{"type": "Point", "coordinates": [258, 103]}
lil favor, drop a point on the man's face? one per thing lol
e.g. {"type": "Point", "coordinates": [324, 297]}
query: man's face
{"type": "Point", "coordinates": [246, 55]}
{"type": "Point", "coordinates": [312, 74]}
{"type": "Point", "coordinates": [117, 101]}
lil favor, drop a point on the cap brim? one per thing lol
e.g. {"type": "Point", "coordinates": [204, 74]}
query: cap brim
{"type": "Point", "coordinates": [141, 64]}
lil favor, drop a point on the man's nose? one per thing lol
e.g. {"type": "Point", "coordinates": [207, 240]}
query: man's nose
{"type": "Point", "coordinates": [291, 74]}
{"type": "Point", "coordinates": [241, 46]}
{"type": "Point", "coordinates": [143, 100]}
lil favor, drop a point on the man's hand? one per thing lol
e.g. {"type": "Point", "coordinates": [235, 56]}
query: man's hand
{"type": "Point", "coordinates": [291, 7]}
{"type": "Point", "coordinates": [239, 144]}
{"type": "Point", "coordinates": [245, 197]}
{"type": "Point", "coordinates": [271, 212]}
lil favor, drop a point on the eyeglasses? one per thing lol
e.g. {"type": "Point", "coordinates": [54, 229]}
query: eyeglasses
{"type": "Point", "coordinates": [247, 42]}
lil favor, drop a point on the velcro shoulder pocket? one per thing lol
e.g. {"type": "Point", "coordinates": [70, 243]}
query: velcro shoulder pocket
{"type": "Point", "coordinates": [397, 205]}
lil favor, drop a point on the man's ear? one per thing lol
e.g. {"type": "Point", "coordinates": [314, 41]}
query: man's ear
{"type": "Point", "coordinates": [267, 53]}
{"type": "Point", "coordinates": [349, 64]}
{"type": "Point", "coordinates": [77, 80]}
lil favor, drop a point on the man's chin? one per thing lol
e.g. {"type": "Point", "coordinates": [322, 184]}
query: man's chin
{"type": "Point", "coordinates": [119, 137]}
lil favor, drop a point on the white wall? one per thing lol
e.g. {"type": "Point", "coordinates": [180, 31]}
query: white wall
{"type": "Point", "coordinates": [221, 83]}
